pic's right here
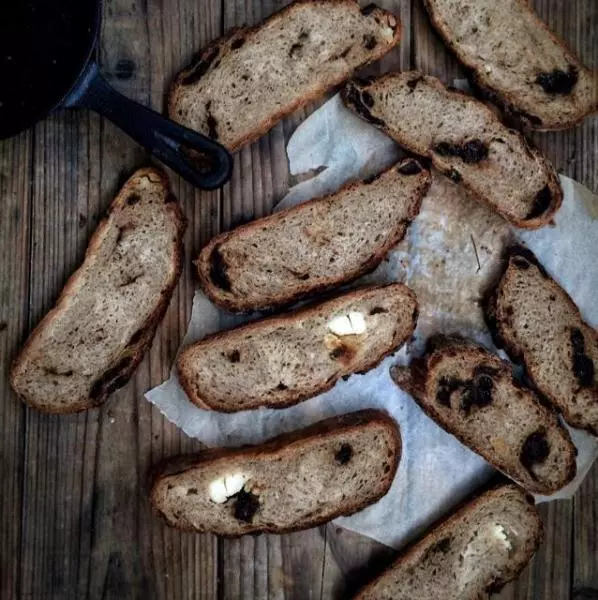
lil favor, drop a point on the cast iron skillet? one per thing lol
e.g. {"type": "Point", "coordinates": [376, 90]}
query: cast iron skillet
{"type": "Point", "coordinates": [47, 61]}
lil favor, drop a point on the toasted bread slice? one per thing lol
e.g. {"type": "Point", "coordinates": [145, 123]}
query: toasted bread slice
{"type": "Point", "coordinates": [282, 360]}
{"type": "Point", "coordinates": [539, 325]}
{"type": "Point", "coordinates": [465, 141]}
{"type": "Point", "coordinates": [472, 554]}
{"type": "Point", "coordinates": [314, 246]}
{"type": "Point", "coordinates": [516, 58]}
{"type": "Point", "coordinates": [295, 481]}
{"type": "Point", "coordinates": [105, 319]}
{"type": "Point", "coordinates": [471, 393]}
{"type": "Point", "coordinates": [241, 85]}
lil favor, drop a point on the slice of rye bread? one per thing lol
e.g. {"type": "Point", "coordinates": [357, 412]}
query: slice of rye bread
{"type": "Point", "coordinates": [469, 556]}
{"type": "Point", "coordinates": [281, 360]}
{"type": "Point", "coordinates": [539, 326]}
{"type": "Point", "coordinates": [533, 75]}
{"type": "Point", "coordinates": [471, 394]}
{"type": "Point", "coordinates": [314, 246]}
{"type": "Point", "coordinates": [465, 140]}
{"type": "Point", "coordinates": [92, 341]}
{"type": "Point", "coordinates": [241, 85]}
{"type": "Point", "coordinates": [295, 481]}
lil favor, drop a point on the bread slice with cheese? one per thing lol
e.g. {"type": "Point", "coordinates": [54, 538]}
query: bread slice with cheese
{"type": "Point", "coordinates": [539, 326]}
{"type": "Point", "coordinates": [105, 319]}
{"type": "Point", "coordinates": [281, 360]}
{"type": "Point", "coordinates": [241, 85]}
{"type": "Point", "coordinates": [465, 141]}
{"type": "Point", "coordinates": [514, 56]}
{"type": "Point", "coordinates": [471, 393]}
{"type": "Point", "coordinates": [314, 246]}
{"type": "Point", "coordinates": [470, 555]}
{"type": "Point", "coordinates": [295, 481]}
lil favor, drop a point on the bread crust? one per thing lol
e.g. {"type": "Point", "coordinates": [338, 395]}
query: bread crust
{"type": "Point", "coordinates": [351, 421]}
{"type": "Point", "coordinates": [294, 316]}
{"type": "Point", "coordinates": [414, 381]}
{"type": "Point", "coordinates": [552, 183]}
{"type": "Point", "coordinates": [515, 353]}
{"type": "Point", "coordinates": [502, 97]}
{"type": "Point", "coordinates": [232, 303]}
{"type": "Point", "coordinates": [442, 528]}
{"type": "Point", "coordinates": [224, 43]}
{"type": "Point", "coordinates": [119, 373]}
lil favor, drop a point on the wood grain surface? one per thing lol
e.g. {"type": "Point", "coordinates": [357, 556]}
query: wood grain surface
{"type": "Point", "coordinates": [74, 516]}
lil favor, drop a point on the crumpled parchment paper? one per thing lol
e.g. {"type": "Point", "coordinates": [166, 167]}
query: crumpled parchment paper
{"type": "Point", "coordinates": [447, 257]}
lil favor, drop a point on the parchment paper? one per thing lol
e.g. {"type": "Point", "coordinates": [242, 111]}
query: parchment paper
{"type": "Point", "coordinates": [451, 250]}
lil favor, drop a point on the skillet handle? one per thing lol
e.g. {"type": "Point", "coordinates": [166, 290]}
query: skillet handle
{"type": "Point", "coordinates": [164, 138]}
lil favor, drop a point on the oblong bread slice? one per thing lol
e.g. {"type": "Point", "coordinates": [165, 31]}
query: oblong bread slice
{"type": "Point", "coordinates": [469, 556]}
{"type": "Point", "coordinates": [279, 361]}
{"type": "Point", "coordinates": [465, 141]}
{"type": "Point", "coordinates": [295, 481]}
{"type": "Point", "coordinates": [539, 326]}
{"type": "Point", "coordinates": [471, 393]}
{"type": "Point", "coordinates": [534, 76]}
{"type": "Point", "coordinates": [241, 85]}
{"type": "Point", "coordinates": [314, 246]}
{"type": "Point", "coordinates": [106, 316]}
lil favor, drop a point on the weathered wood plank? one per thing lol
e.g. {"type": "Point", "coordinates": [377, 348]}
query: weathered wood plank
{"type": "Point", "coordinates": [15, 198]}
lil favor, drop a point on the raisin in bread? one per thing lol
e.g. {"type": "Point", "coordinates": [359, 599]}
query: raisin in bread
{"type": "Point", "coordinates": [241, 85]}
{"type": "Point", "coordinates": [469, 556]}
{"type": "Point", "coordinates": [539, 325]}
{"type": "Point", "coordinates": [314, 246]}
{"type": "Point", "coordinates": [105, 319]}
{"type": "Point", "coordinates": [281, 360]}
{"type": "Point", "coordinates": [533, 75]}
{"type": "Point", "coordinates": [465, 141]}
{"type": "Point", "coordinates": [471, 394]}
{"type": "Point", "coordinates": [295, 481]}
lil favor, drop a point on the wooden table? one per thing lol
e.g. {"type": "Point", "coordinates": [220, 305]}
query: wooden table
{"type": "Point", "coordinates": [74, 517]}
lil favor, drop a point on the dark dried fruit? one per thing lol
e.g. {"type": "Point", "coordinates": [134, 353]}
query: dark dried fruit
{"type": "Point", "coordinates": [412, 83]}
{"type": "Point", "coordinates": [201, 68]}
{"type": "Point", "coordinates": [583, 365]}
{"type": "Point", "coordinates": [360, 101]}
{"type": "Point", "coordinates": [295, 49]}
{"type": "Point", "coordinates": [112, 379]}
{"type": "Point", "coordinates": [446, 387]}
{"type": "Point", "coordinates": [470, 152]}
{"type": "Point", "coordinates": [237, 44]}
{"type": "Point", "coordinates": [541, 204]}
{"type": "Point", "coordinates": [378, 310]}
{"type": "Point", "coordinates": [133, 199]}
{"type": "Point", "coordinates": [442, 545]}
{"type": "Point", "coordinates": [344, 455]}
{"type": "Point", "coordinates": [411, 167]}
{"type": "Point", "coordinates": [478, 392]}
{"type": "Point", "coordinates": [234, 356]}
{"type": "Point", "coordinates": [246, 505]}
{"type": "Point", "coordinates": [522, 258]}
{"type": "Point", "coordinates": [218, 269]}
{"type": "Point", "coordinates": [368, 10]}
{"type": "Point", "coordinates": [558, 81]}
{"type": "Point", "coordinates": [535, 450]}
{"type": "Point", "coordinates": [192, 492]}
{"type": "Point", "coordinates": [369, 42]}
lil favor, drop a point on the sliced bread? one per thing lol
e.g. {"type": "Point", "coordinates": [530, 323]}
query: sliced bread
{"type": "Point", "coordinates": [515, 57]}
{"type": "Point", "coordinates": [472, 554]}
{"type": "Point", "coordinates": [471, 393]}
{"type": "Point", "coordinates": [241, 85]}
{"type": "Point", "coordinates": [465, 141]}
{"type": "Point", "coordinates": [314, 246]}
{"type": "Point", "coordinates": [279, 361]}
{"type": "Point", "coordinates": [295, 481]}
{"type": "Point", "coordinates": [105, 319]}
{"type": "Point", "coordinates": [539, 325]}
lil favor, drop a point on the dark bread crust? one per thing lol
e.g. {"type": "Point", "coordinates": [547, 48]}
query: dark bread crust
{"type": "Point", "coordinates": [358, 420]}
{"type": "Point", "coordinates": [295, 316]}
{"type": "Point", "coordinates": [516, 354]}
{"type": "Point", "coordinates": [414, 378]}
{"type": "Point", "coordinates": [352, 98]}
{"type": "Point", "coordinates": [225, 44]}
{"type": "Point", "coordinates": [442, 528]}
{"type": "Point", "coordinates": [502, 98]}
{"type": "Point", "coordinates": [228, 301]}
{"type": "Point", "coordinates": [118, 374]}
